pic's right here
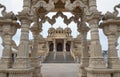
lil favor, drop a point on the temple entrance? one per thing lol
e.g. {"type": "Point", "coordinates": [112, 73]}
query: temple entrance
{"type": "Point", "coordinates": [68, 46]}
{"type": "Point", "coordinates": [51, 47]}
{"type": "Point", "coordinates": [59, 47]}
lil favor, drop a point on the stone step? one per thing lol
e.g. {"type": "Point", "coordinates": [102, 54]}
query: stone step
{"type": "Point", "coordinates": [60, 58]}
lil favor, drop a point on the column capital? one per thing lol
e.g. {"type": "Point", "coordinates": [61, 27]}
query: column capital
{"type": "Point", "coordinates": [82, 28]}
{"type": "Point", "coordinates": [24, 17]}
{"type": "Point", "coordinates": [92, 5]}
{"type": "Point", "coordinates": [110, 27]}
{"type": "Point", "coordinates": [8, 26]}
{"type": "Point", "coordinates": [94, 17]}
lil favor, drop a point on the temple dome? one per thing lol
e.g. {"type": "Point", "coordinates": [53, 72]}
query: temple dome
{"type": "Point", "coordinates": [59, 30]}
{"type": "Point", "coordinates": [67, 30]}
{"type": "Point", "coordinates": [51, 30]}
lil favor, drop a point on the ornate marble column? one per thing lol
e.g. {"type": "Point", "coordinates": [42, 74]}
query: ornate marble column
{"type": "Point", "coordinates": [64, 45]}
{"type": "Point", "coordinates": [26, 6]}
{"type": "Point", "coordinates": [9, 28]}
{"type": "Point", "coordinates": [96, 57]}
{"type": "Point", "coordinates": [92, 5]}
{"type": "Point", "coordinates": [71, 49]}
{"type": "Point", "coordinates": [34, 55]}
{"type": "Point", "coordinates": [22, 60]}
{"type": "Point", "coordinates": [47, 45]}
{"type": "Point", "coordinates": [22, 66]}
{"type": "Point", "coordinates": [83, 29]}
{"type": "Point", "coordinates": [96, 61]}
{"type": "Point", "coordinates": [111, 29]}
{"type": "Point", "coordinates": [54, 49]}
{"type": "Point", "coordinates": [64, 51]}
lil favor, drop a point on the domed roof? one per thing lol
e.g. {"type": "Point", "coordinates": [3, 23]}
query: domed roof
{"type": "Point", "coordinates": [51, 30]}
{"type": "Point", "coordinates": [68, 30]}
{"type": "Point", "coordinates": [59, 29]}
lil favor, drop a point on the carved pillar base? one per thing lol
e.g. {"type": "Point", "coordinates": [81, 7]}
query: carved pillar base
{"type": "Point", "coordinates": [37, 67]}
{"type": "Point", "coordinates": [2, 74]}
{"type": "Point", "coordinates": [96, 58]}
{"type": "Point", "coordinates": [20, 73]}
{"type": "Point", "coordinates": [98, 72]}
{"type": "Point", "coordinates": [97, 63]}
{"type": "Point", "coordinates": [103, 72]}
{"type": "Point", "coordinates": [5, 63]}
{"type": "Point", "coordinates": [22, 63]}
{"type": "Point", "coordinates": [116, 75]}
{"type": "Point", "coordinates": [114, 63]}
{"type": "Point", "coordinates": [84, 63]}
{"type": "Point", "coordinates": [37, 72]}
{"type": "Point", "coordinates": [98, 75]}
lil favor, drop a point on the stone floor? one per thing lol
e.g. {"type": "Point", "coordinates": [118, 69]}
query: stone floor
{"type": "Point", "coordinates": [60, 70]}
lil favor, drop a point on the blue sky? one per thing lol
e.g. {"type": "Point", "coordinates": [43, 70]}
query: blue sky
{"type": "Point", "coordinates": [102, 5]}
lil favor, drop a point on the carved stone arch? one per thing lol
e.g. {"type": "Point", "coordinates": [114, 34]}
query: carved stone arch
{"type": "Point", "coordinates": [77, 3]}
{"type": "Point", "coordinates": [66, 20]}
{"type": "Point", "coordinates": [47, 6]}
{"type": "Point", "coordinates": [77, 8]}
{"type": "Point", "coordinates": [40, 9]}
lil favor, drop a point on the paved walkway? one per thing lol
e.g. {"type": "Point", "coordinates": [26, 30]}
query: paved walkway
{"type": "Point", "coordinates": [60, 70]}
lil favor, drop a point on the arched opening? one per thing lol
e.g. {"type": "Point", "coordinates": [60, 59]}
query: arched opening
{"type": "Point", "coordinates": [59, 47]}
{"type": "Point", "coordinates": [51, 47]}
